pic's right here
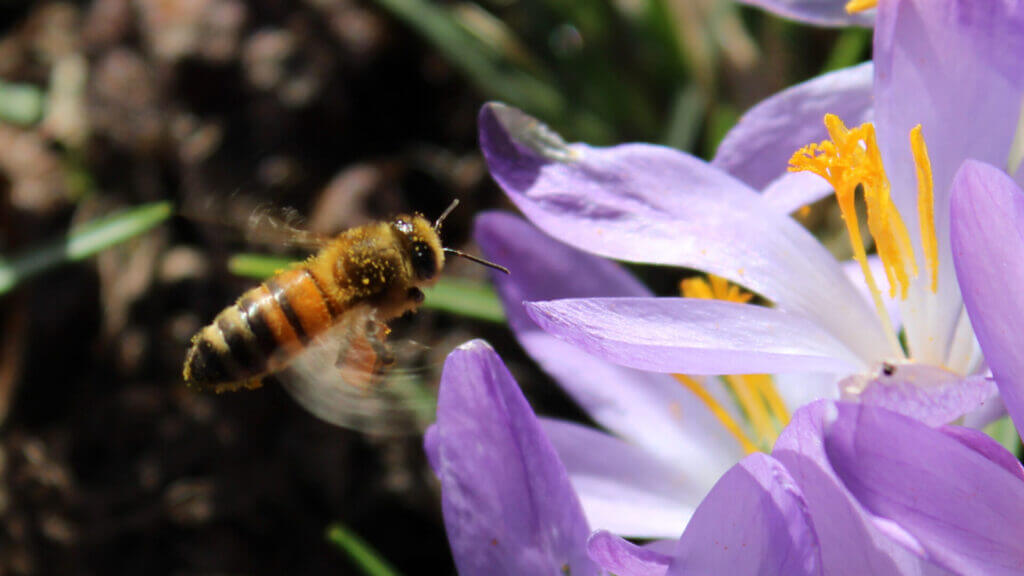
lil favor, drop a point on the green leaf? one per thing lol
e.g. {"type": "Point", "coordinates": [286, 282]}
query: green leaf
{"type": "Point", "coordinates": [21, 104]}
{"type": "Point", "coordinates": [369, 561]}
{"type": "Point", "coordinates": [453, 295]}
{"type": "Point", "coordinates": [1002, 431]}
{"type": "Point", "coordinates": [82, 242]}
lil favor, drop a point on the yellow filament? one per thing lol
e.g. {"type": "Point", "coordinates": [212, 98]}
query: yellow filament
{"type": "Point", "coordinates": [756, 395]}
{"type": "Point", "coordinates": [749, 398]}
{"type": "Point", "coordinates": [926, 204]}
{"type": "Point", "coordinates": [849, 160]}
{"type": "Point", "coordinates": [718, 411]}
{"type": "Point", "coordinates": [776, 406]}
{"type": "Point", "coordinates": [854, 6]}
{"type": "Point", "coordinates": [714, 288]}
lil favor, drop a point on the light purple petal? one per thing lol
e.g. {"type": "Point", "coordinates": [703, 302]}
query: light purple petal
{"type": "Point", "coordinates": [653, 204]}
{"type": "Point", "coordinates": [693, 336]}
{"type": "Point", "coordinates": [794, 190]}
{"type": "Point", "coordinates": [624, 489]}
{"type": "Point", "coordinates": [927, 393]}
{"type": "Point", "coordinates": [624, 558]}
{"type": "Point", "coordinates": [754, 521]}
{"type": "Point", "coordinates": [954, 67]}
{"type": "Point", "coordinates": [988, 249]}
{"type": "Point", "coordinates": [962, 509]}
{"type": "Point", "coordinates": [986, 446]}
{"type": "Point", "coordinates": [653, 411]}
{"type": "Point", "coordinates": [431, 448]}
{"type": "Point", "coordinates": [757, 150]}
{"type": "Point", "coordinates": [797, 389]}
{"type": "Point", "coordinates": [507, 502]}
{"type": "Point", "coordinates": [820, 12]}
{"type": "Point", "coordinates": [852, 542]}
{"type": "Point", "coordinates": [853, 271]}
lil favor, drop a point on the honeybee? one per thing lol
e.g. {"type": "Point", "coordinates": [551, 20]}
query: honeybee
{"type": "Point", "coordinates": [320, 328]}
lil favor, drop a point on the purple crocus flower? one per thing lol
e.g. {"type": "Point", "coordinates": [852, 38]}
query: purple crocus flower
{"type": "Point", "coordinates": [650, 204]}
{"type": "Point", "coordinates": [849, 489]}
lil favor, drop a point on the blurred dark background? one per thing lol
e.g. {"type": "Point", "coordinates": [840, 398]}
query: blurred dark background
{"type": "Point", "coordinates": [346, 111]}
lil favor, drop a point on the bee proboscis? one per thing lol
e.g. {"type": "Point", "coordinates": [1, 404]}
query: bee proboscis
{"type": "Point", "coordinates": [320, 328]}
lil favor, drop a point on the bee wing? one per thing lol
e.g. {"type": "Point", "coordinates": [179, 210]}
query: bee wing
{"type": "Point", "coordinates": [282, 226]}
{"type": "Point", "coordinates": [348, 377]}
{"type": "Point", "coordinates": [258, 223]}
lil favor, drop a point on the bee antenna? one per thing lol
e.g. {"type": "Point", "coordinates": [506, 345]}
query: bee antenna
{"type": "Point", "coordinates": [447, 211]}
{"type": "Point", "coordinates": [462, 254]}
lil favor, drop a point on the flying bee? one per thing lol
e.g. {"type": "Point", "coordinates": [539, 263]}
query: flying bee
{"type": "Point", "coordinates": [320, 328]}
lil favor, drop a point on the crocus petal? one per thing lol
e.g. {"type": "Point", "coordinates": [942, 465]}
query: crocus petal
{"type": "Point", "coordinates": [820, 12]}
{"type": "Point", "coordinates": [693, 336]}
{"type": "Point", "coordinates": [855, 273]}
{"type": "Point", "coordinates": [988, 247]}
{"type": "Point", "coordinates": [754, 521]}
{"type": "Point", "coordinates": [653, 204]}
{"type": "Point", "coordinates": [797, 389]}
{"type": "Point", "coordinates": [961, 508]}
{"type": "Point", "coordinates": [852, 543]}
{"type": "Point", "coordinates": [624, 558]}
{"type": "Point", "coordinates": [790, 192]}
{"type": "Point", "coordinates": [954, 67]}
{"type": "Point", "coordinates": [650, 410]}
{"type": "Point", "coordinates": [758, 148]}
{"type": "Point", "coordinates": [986, 446]}
{"type": "Point", "coordinates": [624, 489]}
{"type": "Point", "coordinates": [507, 502]}
{"type": "Point", "coordinates": [927, 393]}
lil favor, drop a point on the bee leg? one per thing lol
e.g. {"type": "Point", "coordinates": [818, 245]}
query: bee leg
{"type": "Point", "coordinates": [416, 295]}
{"type": "Point", "coordinates": [378, 333]}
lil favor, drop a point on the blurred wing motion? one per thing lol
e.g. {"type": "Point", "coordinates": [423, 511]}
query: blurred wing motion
{"type": "Point", "coordinates": [282, 226]}
{"type": "Point", "coordinates": [352, 377]}
{"type": "Point", "coordinates": [259, 223]}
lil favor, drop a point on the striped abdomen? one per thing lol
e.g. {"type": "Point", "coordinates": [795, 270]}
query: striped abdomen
{"type": "Point", "coordinates": [261, 332]}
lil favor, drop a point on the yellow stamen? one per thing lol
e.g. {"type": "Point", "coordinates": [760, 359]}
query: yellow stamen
{"type": "Point", "coordinates": [718, 411]}
{"type": "Point", "coordinates": [776, 406]}
{"type": "Point", "coordinates": [854, 6]}
{"type": "Point", "coordinates": [926, 204]}
{"type": "Point", "coordinates": [714, 288]}
{"type": "Point", "coordinates": [755, 393]}
{"type": "Point", "coordinates": [849, 160]}
{"type": "Point", "coordinates": [749, 398]}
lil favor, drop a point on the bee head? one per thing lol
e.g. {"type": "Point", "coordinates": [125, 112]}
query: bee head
{"type": "Point", "coordinates": [422, 245]}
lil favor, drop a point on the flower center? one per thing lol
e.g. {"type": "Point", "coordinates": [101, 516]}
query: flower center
{"type": "Point", "coordinates": [755, 394]}
{"type": "Point", "coordinates": [854, 6]}
{"type": "Point", "coordinates": [851, 160]}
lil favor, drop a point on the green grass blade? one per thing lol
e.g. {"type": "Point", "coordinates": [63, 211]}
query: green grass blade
{"type": "Point", "coordinates": [453, 295]}
{"type": "Point", "coordinates": [490, 70]}
{"type": "Point", "coordinates": [369, 561]}
{"type": "Point", "coordinates": [21, 104]}
{"type": "Point", "coordinates": [850, 48]}
{"type": "Point", "coordinates": [82, 242]}
{"type": "Point", "coordinates": [465, 298]}
{"type": "Point", "coordinates": [257, 266]}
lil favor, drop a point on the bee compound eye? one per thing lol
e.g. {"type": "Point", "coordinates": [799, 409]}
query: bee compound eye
{"type": "Point", "coordinates": [423, 262]}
